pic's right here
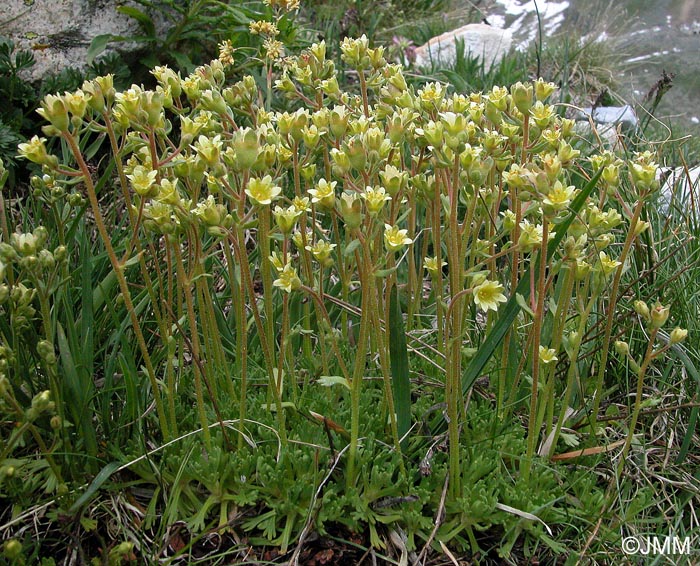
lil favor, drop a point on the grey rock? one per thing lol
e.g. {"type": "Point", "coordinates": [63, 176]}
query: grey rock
{"type": "Point", "coordinates": [59, 32]}
{"type": "Point", "coordinates": [489, 44]}
{"type": "Point", "coordinates": [611, 115]}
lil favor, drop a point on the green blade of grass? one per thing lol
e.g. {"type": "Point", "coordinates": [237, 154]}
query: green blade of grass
{"type": "Point", "coordinates": [398, 353]}
{"type": "Point", "coordinates": [79, 389]}
{"type": "Point", "coordinates": [680, 353]}
{"type": "Point", "coordinates": [100, 478]}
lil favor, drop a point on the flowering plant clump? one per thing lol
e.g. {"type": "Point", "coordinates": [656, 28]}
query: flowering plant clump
{"type": "Point", "coordinates": [299, 241]}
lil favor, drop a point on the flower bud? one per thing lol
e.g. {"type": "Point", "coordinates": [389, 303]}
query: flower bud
{"type": "Point", "coordinates": [341, 162]}
{"type": "Point", "coordinates": [393, 180]}
{"type": "Point", "coordinates": [311, 136]}
{"type": "Point", "coordinates": [643, 173]}
{"type": "Point", "coordinates": [210, 212]}
{"type": "Point", "coordinates": [12, 548]}
{"type": "Point", "coordinates": [583, 268]}
{"type": "Point", "coordinates": [330, 87]}
{"type": "Point", "coordinates": [356, 153]}
{"type": "Point", "coordinates": [642, 309]}
{"type": "Point", "coordinates": [266, 158]}
{"type": "Point", "coordinates": [338, 121]}
{"type": "Point", "coordinates": [308, 172]}
{"type": "Point", "coordinates": [354, 52]}
{"type": "Point", "coordinates": [152, 103]}
{"type": "Point", "coordinates": [46, 352]}
{"type": "Point", "coordinates": [106, 85]}
{"type": "Point", "coordinates": [522, 96]}
{"type": "Point", "coordinates": [4, 390]}
{"type": "Point", "coordinates": [571, 342]}
{"type": "Point", "coordinates": [433, 134]}
{"type": "Point", "coordinates": [351, 210]}
{"type": "Point", "coordinates": [678, 335]}
{"type": "Point", "coordinates": [60, 253]}
{"type": "Point", "coordinates": [640, 226]}
{"type": "Point", "coordinates": [41, 403]}
{"type": "Point", "coordinates": [611, 175]}
{"type": "Point", "coordinates": [622, 348]}
{"type": "Point", "coordinates": [46, 259]}
{"type": "Point", "coordinates": [213, 101]}
{"type": "Point", "coordinates": [245, 146]}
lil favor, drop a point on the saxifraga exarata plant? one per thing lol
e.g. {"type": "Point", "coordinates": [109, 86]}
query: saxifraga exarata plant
{"type": "Point", "coordinates": [305, 222]}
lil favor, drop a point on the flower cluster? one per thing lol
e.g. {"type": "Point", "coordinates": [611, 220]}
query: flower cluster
{"type": "Point", "coordinates": [458, 203]}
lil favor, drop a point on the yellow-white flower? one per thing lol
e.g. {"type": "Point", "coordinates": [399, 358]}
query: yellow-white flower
{"type": "Point", "coordinates": [324, 193]}
{"type": "Point", "coordinates": [208, 149]}
{"type": "Point", "coordinates": [488, 294]}
{"type": "Point", "coordinates": [168, 192]}
{"type": "Point", "coordinates": [262, 191]}
{"type": "Point", "coordinates": [34, 150]}
{"type": "Point", "coordinates": [302, 204]}
{"type": "Point", "coordinates": [321, 250]}
{"type": "Point", "coordinates": [395, 239]}
{"type": "Point", "coordinates": [286, 218]}
{"type": "Point", "coordinates": [375, 199]}
{"type": "Point", "coordinates": [276, 262]}
{"type": "Point", "coordinates": [607, 264]}
{"type": "Point", "coordinates": [432, 267]}
{"type": "Point", "coordinates": [530, 236]}
{"type": "Point", "coordinates": [143, 181]}
{"type": "Point", "coordinates": [559, 197]}
{"type": "Point", "coordinates": [288, 279]}
{"type": "Point", "coordinates": [547, 355]}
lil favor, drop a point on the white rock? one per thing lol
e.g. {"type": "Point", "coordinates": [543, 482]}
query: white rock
{"type": "Point", "coordinates": [680, 189]}
{"type": "Point", "coordinates": [606, 133]}
{"type": "Point", "coordinates": [609, 115]}
{"type": "Point", "coordinates": [488, 43]}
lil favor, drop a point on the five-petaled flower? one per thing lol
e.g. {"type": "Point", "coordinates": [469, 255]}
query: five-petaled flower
{"type": "Point", "coordinates": [488, 294]}
{"type": "Point", "coordinates": [324, 194]}
{"type": "Point", "coordinates": [432, 266]}
{"type": "Point", "coordinates": [547, 355]}
{"type": "Point", "coordinates": [394, 238]}
{"type": "Point", "coordinates": [288, 280]}
{"type": "Point", "coordinates": [262, 191]}
{"type": "Point", "coordinates": [143, 181]}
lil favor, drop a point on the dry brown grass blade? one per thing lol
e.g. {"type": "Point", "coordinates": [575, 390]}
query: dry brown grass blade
{"type": "Point", "coordinates": [588, 451]}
